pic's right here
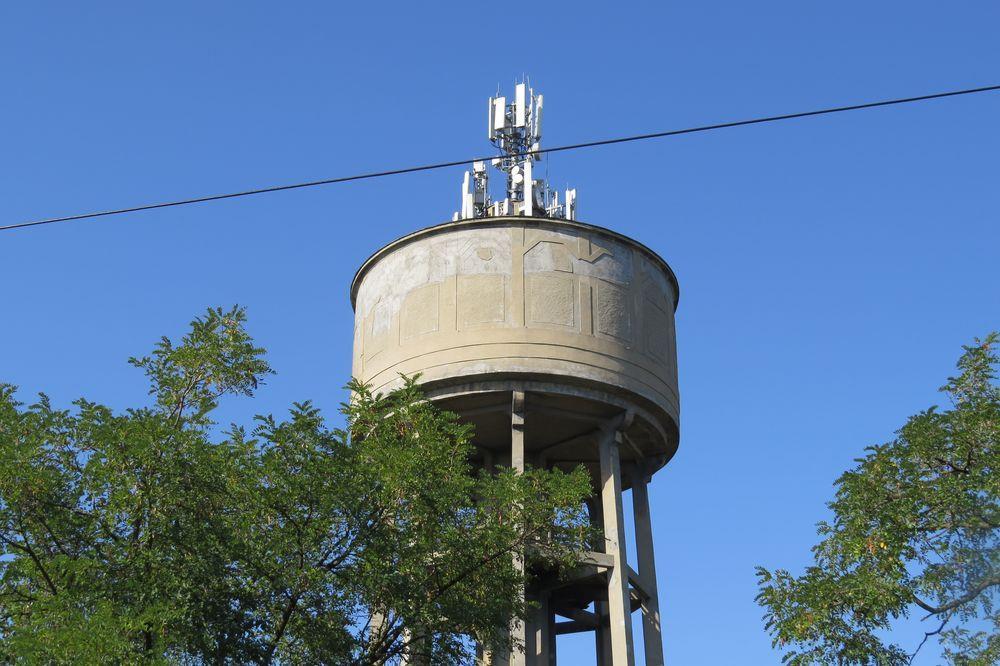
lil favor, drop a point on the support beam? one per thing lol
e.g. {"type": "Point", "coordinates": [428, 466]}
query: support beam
{"type": "Point", "coordinates": [584, 437]}
{"type": "Point", "coordinates": [572, 627]}
{"type": "Point", "coordinates": [579, 620]}
{"type": "Point", "coordinates": [638, 586]}
{"type": "Point", "coordinates": [652, 637]}
{"type": "Point", "coordinates": [597, 559]}
{"type": "Point", "coordinates": [633, 447]}
{"type": "Point", "coordinates": [574, 575]}
{"type": "Point", "coordinates": [619, 602]}
{"type": "Point", "coordinates": [576, 416]}
{"type": "Point", "coordinates": [585, 618]}
{"type": "Point", "coordinates": [487, 409]}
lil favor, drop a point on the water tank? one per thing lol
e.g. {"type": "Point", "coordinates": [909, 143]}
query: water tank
{"type": "Point", "coordinates": [577, 317]}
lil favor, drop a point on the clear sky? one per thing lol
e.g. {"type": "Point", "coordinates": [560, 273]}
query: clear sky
{"type": "Point", "coordinates": [830, 268]}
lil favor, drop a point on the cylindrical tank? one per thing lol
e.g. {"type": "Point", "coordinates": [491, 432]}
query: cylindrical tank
{"type": "Point", "coordinates": [577, 316]}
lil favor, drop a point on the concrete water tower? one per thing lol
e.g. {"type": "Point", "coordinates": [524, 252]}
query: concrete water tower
{"type": "Point", "coordinates": [556, 339]}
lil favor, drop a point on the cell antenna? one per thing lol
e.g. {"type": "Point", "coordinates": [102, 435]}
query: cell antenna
{"type": "Point", "coordinates": [515, 129]}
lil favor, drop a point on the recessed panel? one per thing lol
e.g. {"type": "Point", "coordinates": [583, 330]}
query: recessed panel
{"type": "Point", "coordinates": [420, 313]}
{"type": "Point", "coordinates": [657, 332]}
{"type": "Point", "coordinates": [613, 316]}
{"type": "Point", "coordinates": [548, 256]}
{"type": "Point", "coordinates": [377, 329]}
{"type": "Point", "coordinates": [481, 300]}
{"type": "Point", "coordinates": [550, 299]}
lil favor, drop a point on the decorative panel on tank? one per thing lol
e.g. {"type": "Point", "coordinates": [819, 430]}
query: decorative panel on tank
{"type": "Point", "coordinates": [551, 299]}
{"type": "Point", "coordinates": [379, 322]}
{"type": "Point", "coordinates": [548, 255]}
{"type": "Point", "coordinates": [614, 311]}
{"type": "Point", "coordinates": [419, 313]}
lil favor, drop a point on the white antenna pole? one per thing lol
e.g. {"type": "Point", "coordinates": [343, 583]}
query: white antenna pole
{"type": "Point", "coordinates": [529, 195]}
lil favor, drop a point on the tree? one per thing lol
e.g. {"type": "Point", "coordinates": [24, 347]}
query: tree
{"type": "Point", "coordinates": [915, 530]}
{"type": "Point", "coordinates": [152, 536]}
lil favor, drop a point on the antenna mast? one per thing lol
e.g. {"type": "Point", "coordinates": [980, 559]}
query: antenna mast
{"type": "Point", "coordinates": [516, 131]}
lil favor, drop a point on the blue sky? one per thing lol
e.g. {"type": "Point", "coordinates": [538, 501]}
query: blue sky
{"type": "Point", "coordinates": [830, 268]}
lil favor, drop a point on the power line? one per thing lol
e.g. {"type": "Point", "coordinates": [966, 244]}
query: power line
{"type": "Point", "coordinates": [443, 165]}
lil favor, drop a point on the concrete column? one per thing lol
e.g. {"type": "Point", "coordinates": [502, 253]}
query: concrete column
{"type": "Point", "coordinates": [602, 635]}
{"type": "Point", "coordinates": [619, 604]}
{"type": "Point", "coordinates": [406, 659]}
{"type": "Point", "coordinates": [540, 638]}
{"type": "Point", "coordinates": [518, 629]}
{"type": "Point", "coordinates": [652, 636]}
{"type": "Point", "coordinates": [414, 654]}
{"type": "Point", "coordinates": [377, 628]}
{"type": "Point", "coordinates": [500, 658]}
{"type": "Point", "coordinates": [596, 515]}
{"type": "Point", "coordinates": [517, 431]}
{"type": "Point", "coordinates": [552, 637]}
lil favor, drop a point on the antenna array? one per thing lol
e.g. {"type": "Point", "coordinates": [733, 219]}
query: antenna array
{"type": "Point", "coordinates": [516, 130]}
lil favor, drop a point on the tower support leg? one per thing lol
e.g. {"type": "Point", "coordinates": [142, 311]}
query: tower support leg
{"type": "Point", "coordinates": [552, 636]}
{"type": "Point", "coordinates": [540, 638]}
{"type": "Point", "coordinates": [602, 635]}
{"type": "Point", "coordinates": [416, 653]}
{"type": "Point", "coordinates": [518, 630]}
{"type": "Point", "coordinates": [652, 636]}
{"type": "Point", "coordinates": [619, 602]}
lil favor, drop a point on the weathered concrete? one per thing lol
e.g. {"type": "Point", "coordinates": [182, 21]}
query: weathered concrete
{"type": "Point", "coordinates": [619, 600]}
{"type": "Point", "coordinates": [651, 634]}
{"type": "Point", "coordinates": [520, 297]}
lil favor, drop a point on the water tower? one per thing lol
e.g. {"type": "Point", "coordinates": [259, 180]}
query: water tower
{"type": "Point", "coordinates": [556, 339]}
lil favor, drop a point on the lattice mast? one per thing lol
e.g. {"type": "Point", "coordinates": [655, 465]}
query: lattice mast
{"type": "Point", "coordinates": [515, 129]}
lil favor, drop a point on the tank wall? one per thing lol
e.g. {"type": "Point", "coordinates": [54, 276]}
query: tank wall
{"type": "Point", "coordinates": [544, 299]}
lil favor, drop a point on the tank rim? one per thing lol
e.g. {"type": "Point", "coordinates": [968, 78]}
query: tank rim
{"type": "Point", "coordinates": [502, 221]}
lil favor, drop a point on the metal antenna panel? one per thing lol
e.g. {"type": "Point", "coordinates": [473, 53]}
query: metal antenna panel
{"type": "Point", "coordinates": [515, 129]}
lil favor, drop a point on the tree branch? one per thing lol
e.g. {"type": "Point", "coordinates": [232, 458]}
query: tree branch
{"type": "Point", "coordinates": [976, 590]}
{"type": "Point", "coordinates": [25, 546]}
{"type": "Point", "coordinates": [927, 635]}
{"type": "Point", "coordinates": [279, 631]}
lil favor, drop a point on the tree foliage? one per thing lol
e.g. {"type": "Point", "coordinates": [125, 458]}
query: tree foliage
{"type": "Point", "coordinates": [150, 536]}
{"type": "Point", "coordinates": [915, 530]}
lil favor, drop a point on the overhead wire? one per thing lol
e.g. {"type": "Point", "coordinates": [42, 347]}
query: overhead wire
{"type": "Point", "coordinates": [453, 163]}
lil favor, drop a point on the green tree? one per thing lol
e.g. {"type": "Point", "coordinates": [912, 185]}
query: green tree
{"type": "Point", "coordinates": [153, 536]}
{"type": "Point", "coordinates": [915, 530]}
